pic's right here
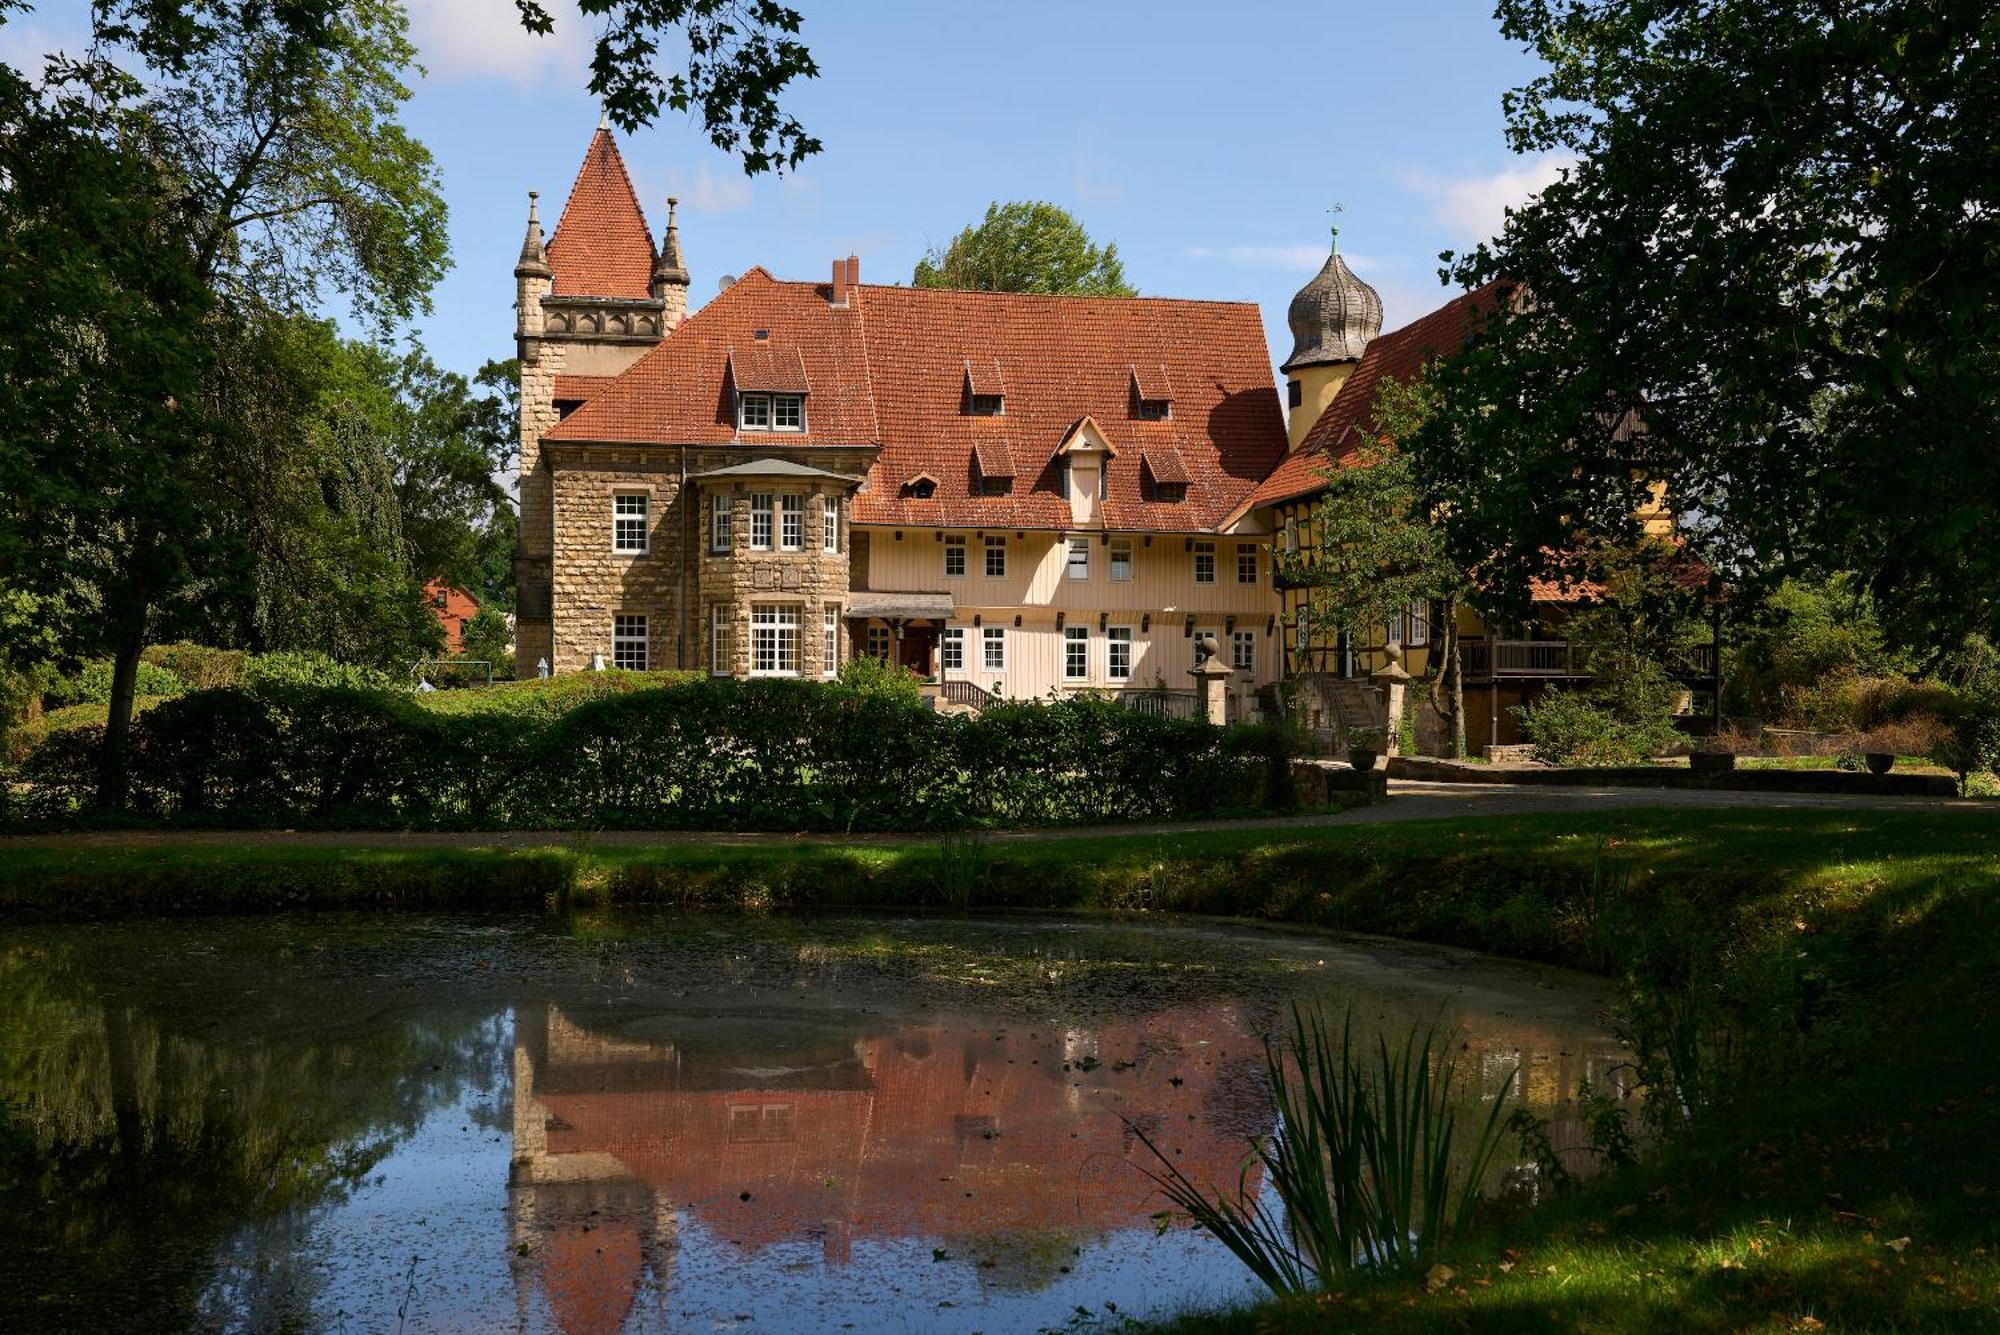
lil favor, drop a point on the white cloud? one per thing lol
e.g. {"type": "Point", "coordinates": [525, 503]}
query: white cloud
{"type": "Point", "coordinates": [478, 39]}
{"type": "Point", "coordinates": [1475, 207]}
{"type": "Point", "coordinates": [710, 191]}
{"type": "Point", "coordinates": [27, 46]}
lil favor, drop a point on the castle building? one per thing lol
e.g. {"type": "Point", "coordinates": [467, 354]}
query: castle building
{"type": "Point", "coordinates": [1009, 494]}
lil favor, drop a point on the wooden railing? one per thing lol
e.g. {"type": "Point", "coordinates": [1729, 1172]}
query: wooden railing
{"type": "Point", "coordinates": [1501, 660]}
{"type": "Point", "coordinates": [966, 693]}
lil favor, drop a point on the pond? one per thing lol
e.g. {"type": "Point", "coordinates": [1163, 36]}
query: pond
{"type": "Point", "coordinates": [627, 1122]}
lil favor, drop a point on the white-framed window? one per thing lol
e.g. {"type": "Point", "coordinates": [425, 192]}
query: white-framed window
{"type": "Point", "coordinates": [952, 650]}
{"type": "Point", "coordinates": [774, 641]}
{"type": "Point", "coordinates": [628, 641]}
{"type": "Point", "coordinates": [792, 526]}
{"type": "Point", "coordinates": [1076, 653]}
{"type": "Point", "coordinates": [1243, 650]}
{"type": "Point", "coordinates": [829, 523]}
{"type": "Point", "coordinates": [1420, 624]}
{"type": "Point", "coordinates": [1121, 559]}
{"type": "Point", "coordinates": [1246, 563]}
{"type": "Point", "coordinates": [954, 555]}
{"type": "Point", "coordinates": [1118, 653]}
{"type": "Point", "coordinates": [996, 557]}
{"type": "Point", "coordinates": [993, 647]}
{"type": "Point", "coordinates": [628, 523]}
{"type": "Point", "coordinates": [755, 412]}
{"type": "Point", "coordinates": [719, 624]}
{"type": "Point", "coordinates": [1204, 563]}
{"type": "Point", "coordinates": [788, 412]}
{"type": "Point", "coordinates": [760, 521]}
{"type": "Point", "coordinates": [878, 643]}
{"type": "Point", "coordinates": [718, 524]}
{"type": "Point", "coordinates": [829, 641]}
{"type": "Point", "coordinates": [1079, 558]}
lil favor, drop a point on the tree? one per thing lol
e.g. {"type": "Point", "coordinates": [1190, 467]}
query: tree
{"type": "Point", "coordinates": [1026, 247]}
{"type": "Point", "coordinates": [1375, 548]}
{"type": "Point", "coordinates": [487, 638]}
{"type": "Point", "coordinates": [1779, 249]}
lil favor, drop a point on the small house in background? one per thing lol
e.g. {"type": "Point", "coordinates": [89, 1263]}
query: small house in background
{"type": "Point", "coordinates": [453, 607]}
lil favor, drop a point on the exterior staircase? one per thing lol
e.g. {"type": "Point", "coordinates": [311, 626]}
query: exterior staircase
{"type": "Point", "coordinates": [1344, 704]}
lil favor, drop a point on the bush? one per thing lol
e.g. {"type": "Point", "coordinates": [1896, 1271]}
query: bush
{"type": "Point", "coordinates": [302, 668]}
{"type": "Point", "coordinates": [1972, 746]}
{"type": "Point", "coordinates": [92, 686]}
{"type": "Point", "coordinates": [199, 666]}
{"type": "Point", "coordinates": [702, 753]}
{"type": "Point", "coordinates": [1582, 728]}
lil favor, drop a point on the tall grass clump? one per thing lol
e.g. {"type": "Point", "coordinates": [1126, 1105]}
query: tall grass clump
{"type": "Point", "coordinates": [1368, 1162]}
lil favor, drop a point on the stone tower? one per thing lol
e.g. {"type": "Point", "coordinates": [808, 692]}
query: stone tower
{"type": "Point", "coordinates": [1333, 318]}
{"type": "Point", "coordinates": [589, 302]}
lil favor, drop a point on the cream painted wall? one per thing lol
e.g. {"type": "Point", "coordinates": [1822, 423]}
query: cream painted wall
{"type": "Point", "coordinates": [1037, 586]}
{"type": "Point", "coordinates": [1317, 386]}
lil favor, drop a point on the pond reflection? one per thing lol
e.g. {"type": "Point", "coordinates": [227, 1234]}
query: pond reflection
{"type": "Point", "coordinates": [470, 1124]}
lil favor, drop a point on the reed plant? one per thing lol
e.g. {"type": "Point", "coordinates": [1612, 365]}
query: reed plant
{"type": "Point", "coordinates": [1367, 1163]}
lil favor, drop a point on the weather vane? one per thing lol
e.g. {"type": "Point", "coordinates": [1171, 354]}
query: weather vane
{"type": "Point", "coordinates": [1336, 211]}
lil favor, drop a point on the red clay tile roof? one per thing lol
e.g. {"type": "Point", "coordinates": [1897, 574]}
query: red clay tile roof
{"type": "Point", "coordinates": [576, 388]}
{"type": "Point", "coordinates": [1163, 461]}
{"type": "Point", "coordinates": [892, 369]}
{"type": "Point", "coordinates": [982, 377]}
{"type": "Point", "coordinates": [770, 369]}
{"type": "Point", "coordinates": [1152, 383]}
{"type": "Point", "coordinates": [602, 247]}
{"type": "Point", "coordinates": [993, 456]}
{"type": "Point", "coordinates": [1350, 418]}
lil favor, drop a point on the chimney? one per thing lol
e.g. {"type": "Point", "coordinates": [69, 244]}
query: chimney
{"type": "Point", "coordinates": [839, 298]}
{"type": "Point", "coordinates": [853, 271]}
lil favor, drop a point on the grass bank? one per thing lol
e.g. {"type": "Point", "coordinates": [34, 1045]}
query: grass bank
{"type": "Point", "coordinates": [1845, 1178]}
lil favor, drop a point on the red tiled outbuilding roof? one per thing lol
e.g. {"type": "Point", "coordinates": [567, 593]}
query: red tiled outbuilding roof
{"type": "Point", "coordinates": [1349, 420]}
{"type": "Point", "coordinates": [602, 247]}
{"type": "Point", "coordinates": [891, 369]}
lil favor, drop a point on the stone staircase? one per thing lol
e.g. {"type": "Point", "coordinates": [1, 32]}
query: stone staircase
{"type": "Point", "coordinates": [1344, 704]}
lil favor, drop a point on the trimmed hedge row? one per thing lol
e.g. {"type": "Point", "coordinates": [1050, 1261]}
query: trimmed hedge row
{"type": "Point", "coordinates": [705, 754]}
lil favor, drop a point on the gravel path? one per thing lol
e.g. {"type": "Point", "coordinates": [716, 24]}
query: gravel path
{"type": "Point", "coordinates": [1409, 800]}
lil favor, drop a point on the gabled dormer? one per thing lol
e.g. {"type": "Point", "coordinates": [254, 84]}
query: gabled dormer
{"type": "Point", "coordinates": [1083, 461]}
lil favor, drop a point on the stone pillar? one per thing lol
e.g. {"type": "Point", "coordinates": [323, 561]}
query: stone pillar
{"type": "Point", "coordinates": [1211, 679]}
{"type": "Point", "coordinates": [1393, 679]}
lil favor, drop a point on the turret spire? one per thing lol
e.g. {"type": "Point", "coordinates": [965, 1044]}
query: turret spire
{"type": "Point", "coordinates": [534, 261]}
{"type": "Point", "coordinates": [1335, 316]}
{"type": "Point", "coordinates": [670, 270]}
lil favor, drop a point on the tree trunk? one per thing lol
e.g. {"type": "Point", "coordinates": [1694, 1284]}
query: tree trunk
{"type": "Point", "coordinates": [114, 773]}
{"type": "Point", "coordinates": [1448, 694]}
{"type": "Point", "coordinates": [1457, 694]}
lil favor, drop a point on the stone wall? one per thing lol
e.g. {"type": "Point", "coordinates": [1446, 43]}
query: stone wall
{"type": "Point", "coordinates": [592, 583]}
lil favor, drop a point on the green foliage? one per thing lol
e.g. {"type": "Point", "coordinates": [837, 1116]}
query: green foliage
{"type": "Point", "coordinates": [486, 637]}
{"type": "Point", "coordinates": [1367, 1163]}
{"type": "Point", "coordinates": [1801, 635]}
{"type": "Point", "coordinates": [1754, 268]}
{"type": "Point", "coordinates": [309, 741]}
{"type": "Point", "coordinates": [1026, 246]}
{"type": "Point", "coordinates": [93, 685]}
{"type": "Point", "coordinates": [870, 675]}
{"type": "Point", "coordinates": [199, 666]}
{"type": "Point", "coordinates": [1623, 725]}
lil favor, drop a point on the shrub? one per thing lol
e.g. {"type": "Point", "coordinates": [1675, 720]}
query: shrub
{"type": "Point", "coordinates": [1604, 727]}
{"type": "Point", "coordinates": [202, 668]}
{"type": "Point", "coordinates": [1972, 746]}
{"type": "Point", "coordinates": [698, 753]}
{"type": "Point", "coordinates": [303, 668]}
{"type": "Point", "coordinates": [92, 686]}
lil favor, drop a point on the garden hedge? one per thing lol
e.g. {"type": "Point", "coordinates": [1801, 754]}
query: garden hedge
{"type": "Point", "coordinates": [719, 754]}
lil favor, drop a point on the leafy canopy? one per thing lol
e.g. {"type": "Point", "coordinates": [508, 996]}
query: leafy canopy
{"type": "Point", "coordinates": [1779, 247]}
{"type": "Point", "coordinates": [1026, 246]}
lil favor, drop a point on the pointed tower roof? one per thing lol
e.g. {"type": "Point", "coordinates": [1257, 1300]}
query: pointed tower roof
{"type": "Point", "coordinates": [602, 247]}
{"type": "Point", "coordinates": [670, 268]}
{"type": "Point", "coordinates": [534, 261]}
{"type": "Point", "coordinates": [1334, 317]}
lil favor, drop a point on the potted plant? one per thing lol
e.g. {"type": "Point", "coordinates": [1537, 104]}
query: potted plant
{"type": "Point", "coordinates": [1879, 762]}
{"type": "Point", "coordinates": [1364, 747]}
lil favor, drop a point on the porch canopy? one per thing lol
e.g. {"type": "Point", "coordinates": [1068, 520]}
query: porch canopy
{"type": "Point", "coordinates": [887, 606]}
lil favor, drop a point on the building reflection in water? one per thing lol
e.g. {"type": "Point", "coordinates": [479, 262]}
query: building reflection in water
{"type": "Point", "coordinates": [1014, 1142]}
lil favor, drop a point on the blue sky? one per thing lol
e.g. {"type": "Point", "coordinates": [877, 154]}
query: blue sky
{"type": "Point", "coordinates": [1206, 139]}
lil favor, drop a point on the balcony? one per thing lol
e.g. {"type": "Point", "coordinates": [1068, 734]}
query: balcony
{"type": "Point", "coordinates": [1487, 661]}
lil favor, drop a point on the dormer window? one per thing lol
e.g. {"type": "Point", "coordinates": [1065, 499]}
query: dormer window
{"type": "Point", "coordinates": [985, 392]}
{"type": "Point", "coordinates": [1152, 393]}
{"type": "Point", "coordinates": [987, 405]}
{"type": "Point", "coordinates": [771, 412]}
{"type": "Point", "coordinates": [923, 486]}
